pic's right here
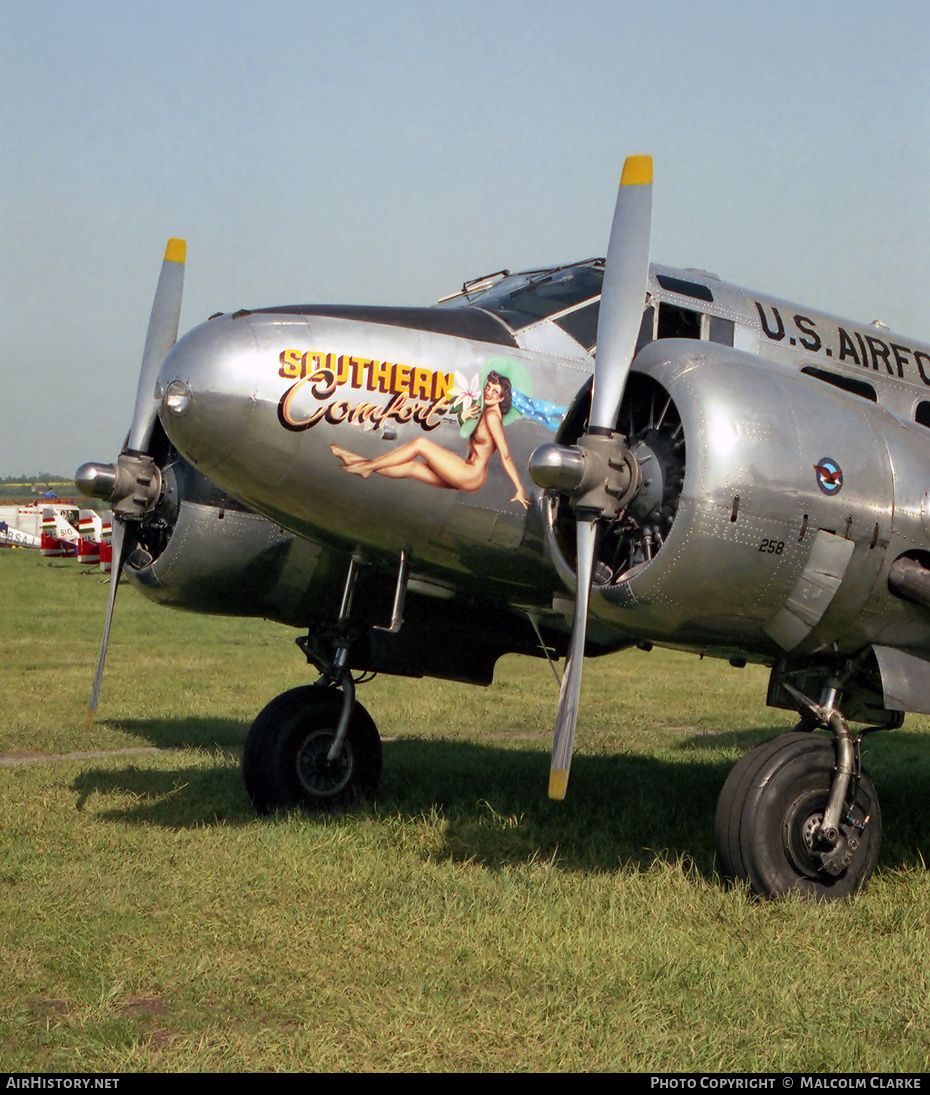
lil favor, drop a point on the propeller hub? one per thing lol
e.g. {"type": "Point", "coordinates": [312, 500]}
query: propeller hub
{"type": "Point", "coordinates": [614, 477]}
{"type": "Point", "coordinates": [557, 467]}
{"type": "Point", "coordinates": [138, 486]}
{"type": "Point", "coordinates": [132, 486]}
{"type": "Point", "coordinates": [96, 480]}
{"type": "Point", "coordinates": [600, 475]}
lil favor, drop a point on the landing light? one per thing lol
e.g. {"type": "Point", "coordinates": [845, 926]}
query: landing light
{"type": "Point", "coordinates": [177, 397]}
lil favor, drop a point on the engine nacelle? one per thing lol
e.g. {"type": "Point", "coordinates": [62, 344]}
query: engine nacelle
{"type": "Point", "coordinates": [771, 514]}
{"type": "Point", "coordinates": [203, 551]}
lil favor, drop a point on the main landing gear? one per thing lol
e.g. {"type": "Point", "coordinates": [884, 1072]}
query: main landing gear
{"type": "Point", "coordinates": [287, 760]}
{"type": "Point", "coordinates": [316, 747]}
{"type": "Point", "coordinates": [798, 815]}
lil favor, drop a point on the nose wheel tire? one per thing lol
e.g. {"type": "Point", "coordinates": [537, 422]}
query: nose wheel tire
{"type": "Point", "coordinates": [769, 813]}
{"type": "Point", "coordinates": [285, 761]}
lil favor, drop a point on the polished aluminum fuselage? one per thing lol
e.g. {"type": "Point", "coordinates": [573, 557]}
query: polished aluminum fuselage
{"type": "Point", "coordinates": [768, 557]}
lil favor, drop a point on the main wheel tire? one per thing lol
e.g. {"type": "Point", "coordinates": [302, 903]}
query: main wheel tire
{"type": "Point", "coordinates": [732, 797]}
{"type": "Point", "coordinates": [284, 761]}
{"type": "Point", "coordinates": [769, 809]}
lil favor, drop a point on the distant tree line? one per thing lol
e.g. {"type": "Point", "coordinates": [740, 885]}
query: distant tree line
{"type": "Point", "coordinates": [44, 479]}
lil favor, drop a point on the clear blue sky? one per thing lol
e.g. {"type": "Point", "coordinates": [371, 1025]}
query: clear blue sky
{"type": "Point", "coordinates": [382, 152]}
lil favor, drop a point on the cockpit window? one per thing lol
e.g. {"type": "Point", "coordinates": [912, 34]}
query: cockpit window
{"type": "Point", "coordinates": [522, 299]}
{"type": "Point", "coordinates": [569, 296]}
{"type": "Point", "coordinates": [581, 323]}
{"type": "Point", "coordinates": [556, 291]}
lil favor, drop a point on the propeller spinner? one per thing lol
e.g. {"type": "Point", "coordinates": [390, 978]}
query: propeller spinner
{"type": "Point", "coordinates": [133, 485]}
{"type": "Point", "coordinates": [600, 475]}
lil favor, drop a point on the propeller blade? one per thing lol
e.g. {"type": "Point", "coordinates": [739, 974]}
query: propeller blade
{"type": "Point", "coordinates": [133, 484]}
{"type": "Point", "coordinates": [623, 294]}
{"type": "Point", "coordinates": [123, 543]}
{"type": "Point", "coordinates": [564, 739]}
{"type": "Point", "coordinates": [161, 336]}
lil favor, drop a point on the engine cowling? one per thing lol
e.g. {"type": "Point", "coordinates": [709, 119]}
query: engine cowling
{"type": "Point", "coordinates": [773, 507]}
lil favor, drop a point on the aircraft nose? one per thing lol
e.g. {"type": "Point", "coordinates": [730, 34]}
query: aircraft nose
{"type": "Point", "coordinates": [206, 391]}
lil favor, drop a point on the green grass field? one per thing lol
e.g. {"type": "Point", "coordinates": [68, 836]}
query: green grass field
{"type": "Point", "coordinates": [463, 922]}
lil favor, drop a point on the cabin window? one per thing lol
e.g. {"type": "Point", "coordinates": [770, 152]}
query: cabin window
{"type": "Point", "coordinates": [922, 414]}
{"type": "Point", "coordinates": [675, 322]}
{"type": "Point", "coordinates": [685, 288]}
{"type": "Point", "coordinates": [846, 383]}
{"type": "Point", "coordinates": [720, 330]}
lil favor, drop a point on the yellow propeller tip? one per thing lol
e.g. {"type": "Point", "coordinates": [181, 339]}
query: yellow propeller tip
{"type": "Point", "coordinates": [90, 719]}
{"type": "Point", "coordinates": [176, 251]}
{"type": "Point", "coordinates": [558, 783]}
{"type": "Point", "coordinates": [637, 170]}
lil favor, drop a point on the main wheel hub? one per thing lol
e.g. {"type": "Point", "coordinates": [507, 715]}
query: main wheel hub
{"type": "Point", "coordinates": [802, 823]}
{"type": "Point", "coordinates": [320, 776]}
{"type": "Point", "coordinates": [812, 856]}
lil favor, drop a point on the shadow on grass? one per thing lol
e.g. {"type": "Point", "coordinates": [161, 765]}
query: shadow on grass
{"type": "Point", "coordinates": [209, 734]}
{"type": "Point", "coordinates": [620, 810]}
